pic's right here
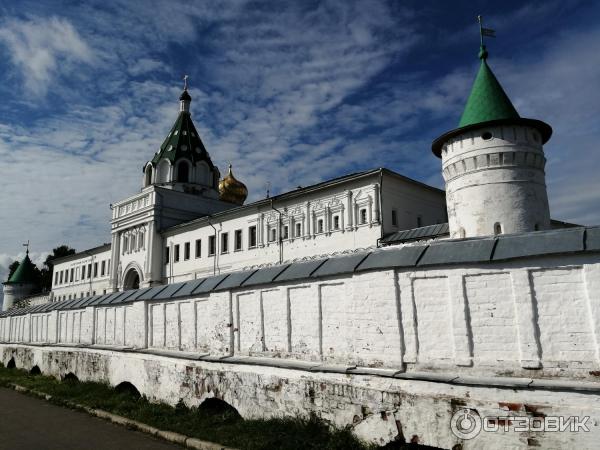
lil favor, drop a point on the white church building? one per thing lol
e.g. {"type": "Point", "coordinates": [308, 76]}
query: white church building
{"type": "Point", "coordinates": [187, 222]}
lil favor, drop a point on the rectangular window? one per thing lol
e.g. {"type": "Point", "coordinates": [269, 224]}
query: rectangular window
{"type": "Point", "coordinates": [272, 235]}
{"type": "Point", "coordinates": [72, 275]}
{"type": "Point", "coordinates": [394, 217]}
{"type": "Point", "coordinates": [103, 268]}
{"type": "Point", "coordinates": [56, 278]}
{"type": "Point", "coordinates": [320, 226]}
{"type": "Point", "coordinates": [285, 232]}
{"type": "Point", "coordinates": [336, 222]}
{"type": "Point", "coordinates": [93, 292]}
{"type": "Point", "coordinates": [211, 245]}
{"type": "Point", "coordinates": [176, 254]}
{"type": "Point", "coordinates": [298, 229]}
{"type": "Point", "coordinates": [419, 221]}
{"type": "Point", "coordinates": [198, 248]}
{"type": "Point", "coordinates": [89, 272]}
{"type": "Point", "coordinates": [186, 251]}
{"type": "Point", "coordinates": [363, 216]}
{"type": "Point", "coordinates": [252, 236]}
{"type": "Point", "coordinates": [61, 276]}
{"type": "Point", "coordinates": [108, 266]}
{"type": "Point", "coordinates": [95, 269]}
{"type": "Point", "coordinates": [167, 255]}
{"type": "Point", "coordinates": [82, 272]}
{"type": "Point", "coordinates": [238, 240]}
{"type": "Point", "coordinates": [224, 242]}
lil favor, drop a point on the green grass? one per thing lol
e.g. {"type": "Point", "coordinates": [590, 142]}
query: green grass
{"type": "Point", "coordinates": [222, 426]}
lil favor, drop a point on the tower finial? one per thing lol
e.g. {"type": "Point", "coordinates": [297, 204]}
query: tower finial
{"type": "Point", "coordinates": [27, 245]}
{"type": "Point", "coordinates": [483, 54]}
{"type": "Point", "coordinates": [185, 78]}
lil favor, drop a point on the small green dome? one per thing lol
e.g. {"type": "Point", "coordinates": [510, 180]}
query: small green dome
{"type": "Point", "coordinates": [25, 273]}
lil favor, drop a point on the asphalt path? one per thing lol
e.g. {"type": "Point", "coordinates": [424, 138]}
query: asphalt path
{"type": "Point", "coordinates": [28, 423]}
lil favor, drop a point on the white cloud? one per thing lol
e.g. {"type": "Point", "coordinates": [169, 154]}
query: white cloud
{"type": "Point", "coordinates": [42, 48]}
{"type": "Point", "coordinates": [280, 91]}
{"type": "Point", "coordinates": [145, 65]}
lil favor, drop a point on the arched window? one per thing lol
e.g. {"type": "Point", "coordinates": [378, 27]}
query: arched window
{"type": "Point", "coordinates": [536, 227]}
{"type": "Point", "coordinates": [148, 179]}
{"type": "Point", "coordinates": [183, 172]}
{"type": "Point", "coordinates": [497, 228]}
{"type": "Point", "coordinates": [461, 233]}
{"type": "Point", "coordinates": [162, 175]}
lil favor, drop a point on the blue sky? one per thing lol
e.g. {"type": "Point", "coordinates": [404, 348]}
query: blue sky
{"type": "Point", "coordinates": [291, 93]}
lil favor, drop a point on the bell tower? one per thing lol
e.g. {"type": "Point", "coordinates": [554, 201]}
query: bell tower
{"type": "Point", "coordinates": [180, 184]}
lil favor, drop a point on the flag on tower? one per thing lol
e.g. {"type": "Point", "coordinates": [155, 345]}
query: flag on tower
{"type": "Point", "coordinates": [488, 32]}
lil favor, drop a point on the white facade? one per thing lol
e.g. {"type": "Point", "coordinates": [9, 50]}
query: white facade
{"type": "Point", "coordinates": [334, 217]}
{"type": "Point", "coordinates": [341, 215]}
{"type": "Point", "coordinates": [84, 274]}
{"type": "Point", "coordinates": [495, 181]}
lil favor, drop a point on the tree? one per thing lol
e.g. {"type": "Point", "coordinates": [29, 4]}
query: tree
{"type": "Point", "coordinates": [11, 269]}
{"type": "Point", "coordinates": [46, 272]}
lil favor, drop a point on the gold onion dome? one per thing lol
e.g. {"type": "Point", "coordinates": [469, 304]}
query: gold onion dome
{"type": "Point", "coordinates": [232, 190]}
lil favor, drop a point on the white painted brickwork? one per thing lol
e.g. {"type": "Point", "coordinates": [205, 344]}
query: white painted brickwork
{"type": "Point", "coordinates": [492, 319]}
{"type": "Point", "coordinates": [528, 319]}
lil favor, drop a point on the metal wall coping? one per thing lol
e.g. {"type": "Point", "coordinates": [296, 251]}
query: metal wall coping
{"type": "Point", "coordinates": [438, 253]}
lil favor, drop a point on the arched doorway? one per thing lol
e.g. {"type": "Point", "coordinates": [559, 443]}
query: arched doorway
{"type": "Point", "coordinates": [131, 280]}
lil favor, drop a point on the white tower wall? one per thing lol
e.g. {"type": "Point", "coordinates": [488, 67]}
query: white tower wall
{"type": "Point", "coordinates": [495, 181]}
{"type": "Point", "coordinates": [13, 293]}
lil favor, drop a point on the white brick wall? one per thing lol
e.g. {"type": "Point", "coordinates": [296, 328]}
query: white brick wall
{"type": "Point", "coordinates": [493, 319]}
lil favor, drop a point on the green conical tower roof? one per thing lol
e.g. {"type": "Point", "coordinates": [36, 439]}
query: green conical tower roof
{"type": "Point", "coordinates": [25, 273]}
{"type": "Point", "coordinates": [488, 105]}
{"type": "Point", "coordinates": [487, 100]}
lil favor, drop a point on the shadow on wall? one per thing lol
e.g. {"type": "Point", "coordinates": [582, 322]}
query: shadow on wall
{"type": "Point", "coordinates": [127, 388]}
{"type": "Point", "coordinates": [11, 364]}
{"type": "Point", "coordinates": [70, 378]}
{"type": "Point", "coordinates": [216, 407]}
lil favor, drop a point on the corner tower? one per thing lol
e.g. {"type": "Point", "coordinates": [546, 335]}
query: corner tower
{"type": "Point", "coordinates": [20, 284]}
{"type": "Point", "coordinates": [493, 164]}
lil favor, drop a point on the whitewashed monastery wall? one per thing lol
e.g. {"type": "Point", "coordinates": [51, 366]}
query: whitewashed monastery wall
{"type": "Point", "coordinates": [538, 317]}
{"type": "Point", "coordinates": [392, 352]}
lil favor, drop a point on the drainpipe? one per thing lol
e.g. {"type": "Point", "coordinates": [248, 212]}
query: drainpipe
{"type": "Point", "coordinates": [380, 206]}
{"type": "Point", "coordinates": [216, 248]}
{"type": "Point", "coordinates": [278, 232]}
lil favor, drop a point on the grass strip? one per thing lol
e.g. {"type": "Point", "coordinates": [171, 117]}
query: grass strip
{"type": "Point", "coordinates": [214, 423]}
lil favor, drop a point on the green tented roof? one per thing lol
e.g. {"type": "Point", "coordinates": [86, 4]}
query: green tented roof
{"type": "Point", "coordinates": [25, 273]}
{"type": "Point", "coordinates": [183, 141]}
{"type": "Point", "coordinates": [487, 100]}
{"type": "Point", "coordinates": [488, 105]}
